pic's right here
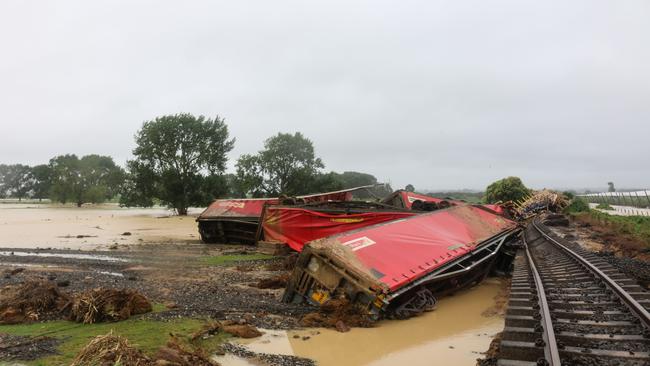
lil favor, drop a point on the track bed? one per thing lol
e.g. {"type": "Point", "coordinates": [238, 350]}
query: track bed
{"type": "Point", "coordinates": [570, 307]}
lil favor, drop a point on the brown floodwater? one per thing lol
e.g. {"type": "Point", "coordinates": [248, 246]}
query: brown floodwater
{"type": "Point", "coordinates": [456, 333]}
{"type": "Point", "coordinates": [43, 225]}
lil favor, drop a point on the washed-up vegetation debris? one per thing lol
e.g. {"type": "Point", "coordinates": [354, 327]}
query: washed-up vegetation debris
{"type": "Point", "coordinates": [30, 301]}
{"type": "Point", "coordinates": [99, 305]}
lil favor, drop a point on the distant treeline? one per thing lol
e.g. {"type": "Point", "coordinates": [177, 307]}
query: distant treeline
{"type": "Point", "coordinates": [180, 161]}
{"type": "Point", "coordinates": [471, 197]}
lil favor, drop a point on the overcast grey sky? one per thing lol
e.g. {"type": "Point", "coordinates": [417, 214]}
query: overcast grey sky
{"type": "Point", "coordinates": [440, 94]}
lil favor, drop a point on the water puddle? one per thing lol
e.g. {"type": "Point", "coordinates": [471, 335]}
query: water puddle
{"type": "Point", "coordinates": [232, 360]}
{"type": "Point", "coordinates": [454, 334]}
{"type": "Point", "coordinates": [61, 255]}
{"type": "Point", "coordinates": [274, 342]}
{"type": "Point", "coordinates": [28, 265]}
{"type": "Point", "coordinates": [115, 274]}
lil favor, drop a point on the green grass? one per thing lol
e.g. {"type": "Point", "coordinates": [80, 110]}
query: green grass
{"type": "Point", "coordinates": [577, 205]}
{"type": "Point", "coordinates": [222, 260]}
{"type": "Point", "coordinates": [638, 226]}
{"type": "Point", "coordinates": [604, 206]}
{"type": "Point", "coordinates": [157, 307]}
{"type": "Point", "coordinates": [147, 335]}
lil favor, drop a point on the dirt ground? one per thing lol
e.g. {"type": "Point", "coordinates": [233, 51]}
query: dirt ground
{"type": "Point", "coordinates": [162, 258]}
{"type": "Point", "coordinates": [174, 275]}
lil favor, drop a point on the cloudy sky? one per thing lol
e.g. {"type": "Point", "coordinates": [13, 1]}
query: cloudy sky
{"type": "Point", "coordinates": [440, 94]}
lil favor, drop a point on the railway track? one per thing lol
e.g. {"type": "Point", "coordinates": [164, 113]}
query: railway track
{"type": "Point", "coordinates": [569, 307]}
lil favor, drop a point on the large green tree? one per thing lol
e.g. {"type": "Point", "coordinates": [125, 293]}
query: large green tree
{"type": "Point", "coordinates": [41, 181]}
{"type": "Point", "coordinates": [15, 181]}
{"type": "Point", "coordinates": [179, 160]}
{"type": "Point", "coordinates": [287, 165]}
{"type": "Point", "coordinates": [506, 189]}
{"type": "Point", "coordinates": [91, 179]}
{"type": "Point", "coordinates": [3, 173]}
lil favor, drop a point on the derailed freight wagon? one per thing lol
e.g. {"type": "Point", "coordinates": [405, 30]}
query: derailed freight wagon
{"type": "Point", "coordinates": [236, 220]}
{"type": "Point", "coordinates": [397, 268]}
{"type": "Point", "coordinates": [232, 220]}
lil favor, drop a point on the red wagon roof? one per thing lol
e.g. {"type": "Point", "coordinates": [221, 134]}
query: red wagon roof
{"type": "Point", "coordinates": [398, 252]}
{"type": "Point", "coordinates": [245, 207]}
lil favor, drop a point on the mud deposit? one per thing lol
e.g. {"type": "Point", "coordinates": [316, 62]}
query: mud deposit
{"type": "Point", "coordinates": [93, 227]}
{"type": "Point", "coordinates": [456, 333]}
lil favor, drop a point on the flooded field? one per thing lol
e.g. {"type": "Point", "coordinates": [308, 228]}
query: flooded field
{"type": "Point", "coordinates": [458, 331]}
{"type": "Point", "coordinates": [95, 227]}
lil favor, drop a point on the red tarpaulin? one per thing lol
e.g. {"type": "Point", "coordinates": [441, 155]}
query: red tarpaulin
{"type": "Point", "coordinates": [297, 226]}
{"type": "Point", "coordinates": [401, 251]}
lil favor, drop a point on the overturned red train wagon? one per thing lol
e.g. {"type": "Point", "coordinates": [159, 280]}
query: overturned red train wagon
{"type": "Point", "coordinates": [232, 220]}
{"type": "Point", "coordinates": [397, 268]}
{"type": "Point", "coordinates": [297, 225]}
{"type": "Point", "coordinates": [236, 220]}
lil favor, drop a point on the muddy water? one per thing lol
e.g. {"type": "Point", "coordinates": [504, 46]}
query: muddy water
{"type": "Point", "coordinates": [33, 225]}
{"type": "Point", "coordinates": [454, 334]}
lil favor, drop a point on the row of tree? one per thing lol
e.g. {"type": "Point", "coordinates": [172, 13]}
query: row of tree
{"type": "Point", "coordinates": [66, 178]}
{"type": "Point", "coordinates": [180, 160]}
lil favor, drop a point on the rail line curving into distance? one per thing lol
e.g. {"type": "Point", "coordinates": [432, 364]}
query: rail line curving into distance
{"type": "Point", "coordinates": [568, 306]}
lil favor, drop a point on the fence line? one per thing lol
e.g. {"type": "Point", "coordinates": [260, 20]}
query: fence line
{"type": "Point", "coordinates": [627, 202]}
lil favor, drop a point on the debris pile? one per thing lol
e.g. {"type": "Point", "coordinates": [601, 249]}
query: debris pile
{"type": "Point", "coordinates": [544, 200]}
{"type": "Point", "coordinates": [100, 305]}
{"type": "Point", "coordinates": [339, 314]}
{"type": "Point", "coordinates": [109, 350]}
{"type": "Point", "coordinates": [175, 354]}
{"type": "Point", "coordinates": [29, 301]}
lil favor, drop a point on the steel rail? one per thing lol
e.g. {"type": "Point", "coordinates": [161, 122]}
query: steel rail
{"type": "Point", "coordinates": [628, 300]}
{"type": "Point", "coordinates": [551, 351]}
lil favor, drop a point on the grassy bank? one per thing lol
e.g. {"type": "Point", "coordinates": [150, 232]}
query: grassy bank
{"type": "Point", "coordinates": [147, 335]}
{"type": "Point", "coordinates": [636, 226]}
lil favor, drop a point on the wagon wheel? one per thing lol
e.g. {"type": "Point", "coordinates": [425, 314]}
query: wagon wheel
{"type": "Point", "coordinates": [422, 300]}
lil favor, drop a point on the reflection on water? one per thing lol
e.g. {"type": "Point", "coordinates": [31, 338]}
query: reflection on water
{"type": "Point", "coordinates": [63, 255]}
{"type": "Point", "coordinates": [454, 334]}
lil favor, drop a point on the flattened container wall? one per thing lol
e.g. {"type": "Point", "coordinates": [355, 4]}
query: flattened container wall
{"type": "Point", "coordinates": [390, 257]}
{"type": "Point", "coordinates": [296, 226]}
